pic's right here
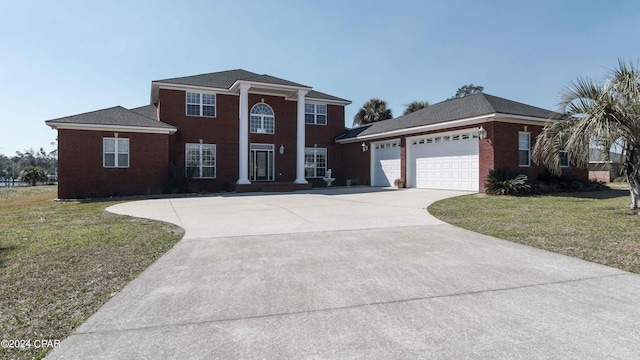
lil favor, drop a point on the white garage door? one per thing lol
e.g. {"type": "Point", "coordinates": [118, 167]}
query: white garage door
{"type": "Point", "coordinates": [445, 161]}
{"type": "Point", "coordinates": [386, 163]}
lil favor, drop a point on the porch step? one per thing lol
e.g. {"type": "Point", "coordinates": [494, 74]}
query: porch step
{"type": "Point", "coordinates": [278, 188]}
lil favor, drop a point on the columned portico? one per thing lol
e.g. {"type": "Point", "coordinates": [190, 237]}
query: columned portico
{"type": "Point", "coordinates": [243, 136]}
{"type": "Point", "coordinates": [300, 139]}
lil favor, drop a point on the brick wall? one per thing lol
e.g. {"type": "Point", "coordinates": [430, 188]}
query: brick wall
{"type": "Point", "coordinates": [81, 171]}
{"type": "Point", "coordinates": [353, 164]}
{"type": "Point", "coordinates": [223, 131]}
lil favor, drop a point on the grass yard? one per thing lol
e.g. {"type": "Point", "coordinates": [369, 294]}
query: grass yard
{"type": "Point", "coordinates": [594, 226]}
{"type": "Point", "coordinates": [61, 261]}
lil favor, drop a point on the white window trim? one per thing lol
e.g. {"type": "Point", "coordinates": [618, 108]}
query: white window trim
{"type": "Point", "coordinates": [115, 153]}
{"type": "Point", "coordinates": [262, 116]}
{"type": "Point", "coordinates": [200, 166]}
{"type": "Point", "coordinates": [315, 113]}
{"type": "Point", "coordinates": [315, 161]}
{"type": "Point", "coordinates": [522, 149]}
{"type": "Point", "coordinates": [568, 158]}
{"type": "Point", "coordinates": [186, 104]}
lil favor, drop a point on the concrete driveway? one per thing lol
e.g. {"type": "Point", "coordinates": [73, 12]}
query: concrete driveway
{"type": "Point", "coordinates": [354, 273]}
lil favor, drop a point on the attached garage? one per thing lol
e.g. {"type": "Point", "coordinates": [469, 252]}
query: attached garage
{"type": "Point", "coordinates": [444, 161]}
{"type": "Point", "coordinates": [386, 163]}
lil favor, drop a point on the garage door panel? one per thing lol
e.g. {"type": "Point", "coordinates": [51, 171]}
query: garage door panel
{"type": "Point", "coordinates": [449, 164]}
{"type": "Point", "coordinates": [386, 164]}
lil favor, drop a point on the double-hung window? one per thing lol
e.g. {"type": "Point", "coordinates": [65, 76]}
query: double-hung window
{"type": "Point", "coordinates": [315, 114]}
{"type": "Point", "coordinates": [315, 162]}
{"type": "Point", "coordinates": [565, 160]}
{"type": "Point", "coordinates": [524, 149]}
{"type": "Point", "coordinates": [115, 153]}
{"type": "Point", "coordinates": [201, 104]}
{"type": "Point", "coordinates": [200, 161]}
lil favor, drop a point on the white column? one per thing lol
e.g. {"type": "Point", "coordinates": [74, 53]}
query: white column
{"type": "Point", "coordinates": [300, 139]}
{"type": "Point", "coordinates": [243, 136]}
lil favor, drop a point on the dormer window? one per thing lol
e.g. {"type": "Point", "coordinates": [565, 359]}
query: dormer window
{"type": "Point", "coordinates": [315, 114]}
{"type": "Point", "coordinates": [201, 104]}
{"type": "Point", "coordinates": [262, 119]}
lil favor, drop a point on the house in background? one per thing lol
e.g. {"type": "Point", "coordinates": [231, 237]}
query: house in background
{"type": "Point", "coordinates": [449, 145]}
{"type": "Point", "coordinates": [241, 131]}
{"type": "Point", "coordinates": [602, 168]}
{"type": "Point", "coordinates": [232, 130]}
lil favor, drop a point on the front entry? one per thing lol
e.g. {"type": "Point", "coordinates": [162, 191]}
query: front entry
{"type": "Point", "coordinates": [261, 162]}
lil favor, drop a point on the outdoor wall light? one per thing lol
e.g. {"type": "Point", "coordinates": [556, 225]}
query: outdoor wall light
{"type": "Point", "coordinates": [482, 133]}
{"type": "Point", "coordinates": [281, 149]}
{"type": "Point", "coordinates": [364, 147]}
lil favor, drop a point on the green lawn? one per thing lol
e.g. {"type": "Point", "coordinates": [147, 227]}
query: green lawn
{"type": "Point", "coordinates": [594, 226]}
{"type": "Point", "coordinates": [60, 261]}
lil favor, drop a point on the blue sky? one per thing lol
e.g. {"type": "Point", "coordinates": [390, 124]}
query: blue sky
{"type": "Point", "coordinates": [60, 58]}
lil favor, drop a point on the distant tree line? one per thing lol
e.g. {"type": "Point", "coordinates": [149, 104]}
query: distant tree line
{"type": "Point", "coordinates": [11, 167]}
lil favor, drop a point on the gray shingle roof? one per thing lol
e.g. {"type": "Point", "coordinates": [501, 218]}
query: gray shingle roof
{"type": "Point", "coordinates": [353, 132]}
{"type": "Point", "coordinates": [322, 96]}
{"type": "Point", "coordinates": [116, 115]}
{"type": "Point", "coordinates": [457, 109]}
{"type": "Point", "coordinates": [149, 111]}
{"type": "Point", "coordinates": [225, 79]}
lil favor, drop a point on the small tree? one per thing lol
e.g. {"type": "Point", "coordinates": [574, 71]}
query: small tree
{"type": "Point", "coordinates": [607, 112]}
{"type": "Point", "coordinates": [415, 106]}
{"type": "Point", "coordinates": [33, 175]}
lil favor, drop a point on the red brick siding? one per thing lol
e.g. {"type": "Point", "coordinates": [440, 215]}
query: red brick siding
{"type": "Point", "coordinates": [223, 131]}
{"type": "Point", "coordinates": [82, 175]}
{"type": "Point", "coordinates": [503, 139]}
{"type": "Point", "coordinates": [353, 164]}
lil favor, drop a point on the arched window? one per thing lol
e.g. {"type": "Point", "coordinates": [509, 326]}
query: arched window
{"type": "Point", "coordinates": [262, 119]}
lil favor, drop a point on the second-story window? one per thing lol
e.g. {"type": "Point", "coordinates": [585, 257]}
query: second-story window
{"type": "Point", "coordinates": [262, 119]}
{"type": "Point", "coordinates": [315, 114]}
{"type": "Point", "coordinates": [201, 104]}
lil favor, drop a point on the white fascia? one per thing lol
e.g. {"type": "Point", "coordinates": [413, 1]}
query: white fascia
{"type": "Point", "coordinates": [520, 119]}
{"type": "Point", "coordinates": [119, 128]}
{"type": "Point", "coordinates": [417, 129]}
{"type": "Point", "coordinates": [327, 101]}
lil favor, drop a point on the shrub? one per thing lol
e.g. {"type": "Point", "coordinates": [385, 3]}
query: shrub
{"type": "Point", "coordinates": [33, 175]}
{"type": "Point", "coordinates": [548, 182]}
{"type": "Point", "coordinates": [507, 182]}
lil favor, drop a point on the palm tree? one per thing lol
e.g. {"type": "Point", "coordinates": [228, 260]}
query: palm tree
{"type": "Point", "coordinates": [415, 106]}
{"type": "Point", "coordinates": [373, 110]}
{"type": "Point", "coordinates": [605, 113]}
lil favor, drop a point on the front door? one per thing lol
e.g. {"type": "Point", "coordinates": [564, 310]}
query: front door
{"type": "Point", "coordinates": [261, 162]}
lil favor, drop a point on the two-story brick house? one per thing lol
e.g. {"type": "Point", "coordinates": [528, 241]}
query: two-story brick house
{"type": "Point", "coordinates": [232, 129]}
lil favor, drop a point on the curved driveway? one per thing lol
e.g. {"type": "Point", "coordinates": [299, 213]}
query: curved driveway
{"type": "Point", "coordinates": [354, 273]}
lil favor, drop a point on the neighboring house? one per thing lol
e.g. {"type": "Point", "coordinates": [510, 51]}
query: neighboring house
{"type": "Point", "coordinates": [602, 168]}
{"type": "Point", "coordinates": [233, 130]}
{"type": "Point", "coordinates": [240, 131]}
{"type": "Point", "coordinates": [449, 145]}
